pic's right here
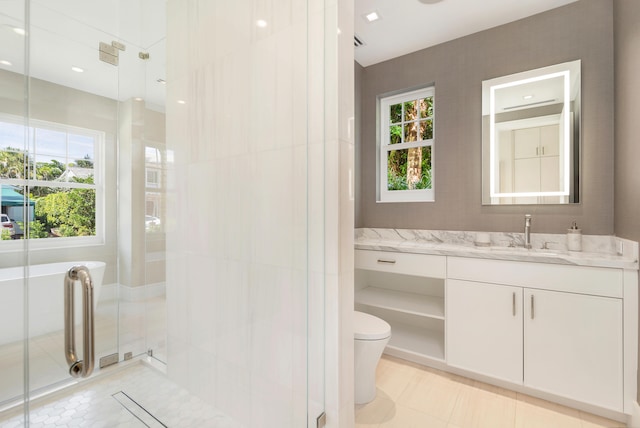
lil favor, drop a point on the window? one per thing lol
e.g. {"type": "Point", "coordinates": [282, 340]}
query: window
{"type": "Point", "coordinates": [58, 179]}
{"type": "Point", "coordinates": [157, 160]}
{"type": "Point", "coordinates": [153, 178]}
{"type": "Point", "coordinates": [406, 147]}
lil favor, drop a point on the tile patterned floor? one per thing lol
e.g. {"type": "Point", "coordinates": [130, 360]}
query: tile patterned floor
{"type": "Point", "coordinates": [410, 395]}
{"type": "Point", "coordinates": [138, 326]}
{"type": "Point", "coordinates": [92, 404]}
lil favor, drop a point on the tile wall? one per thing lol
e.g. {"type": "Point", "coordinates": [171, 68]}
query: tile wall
{"type": "Point", "coordinates": [256, 238]}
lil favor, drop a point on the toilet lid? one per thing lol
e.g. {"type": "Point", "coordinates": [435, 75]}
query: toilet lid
{"type": "Point", "coordinates": [368, 327]}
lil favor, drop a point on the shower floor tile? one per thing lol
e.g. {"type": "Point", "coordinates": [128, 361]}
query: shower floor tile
{"type": "Point", "coordinates": [138, 326]}
{"type": "Point", "coordinates": [92, 403]}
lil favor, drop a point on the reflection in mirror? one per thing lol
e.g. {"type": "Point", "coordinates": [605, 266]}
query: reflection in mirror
{"type": "Point", "coordinates": [531, 143]}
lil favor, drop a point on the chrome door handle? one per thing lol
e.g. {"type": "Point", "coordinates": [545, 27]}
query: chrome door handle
{"type": "Point", "coordinates": [79, 368]}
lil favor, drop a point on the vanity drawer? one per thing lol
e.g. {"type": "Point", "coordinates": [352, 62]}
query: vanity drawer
{"type": "Point", "coordinates": [597, 281]}
{"type": "Point", "coordinates": [402, 263]}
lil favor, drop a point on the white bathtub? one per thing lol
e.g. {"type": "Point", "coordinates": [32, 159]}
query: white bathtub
{"type": "Point", "coordinates": [46, 298]}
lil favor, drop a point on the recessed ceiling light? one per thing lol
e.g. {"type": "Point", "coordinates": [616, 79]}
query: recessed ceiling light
{"type": "Point", "coordinates": [527, 97]}
{"type": "Point", "coordinates": [5, 62]}
{"type": "Point", "coordinates": [182, 102]}
{"type": "Point", "coordinates": [261, 23]}
{"type": "Point", "coordinates": [77, 69]}
{"type": "Point", "coordinates": [372, 16]}
{"type": "Point", "coordinates": [138, 99]}
{"type": "Point", "coordinates": [19, 30]}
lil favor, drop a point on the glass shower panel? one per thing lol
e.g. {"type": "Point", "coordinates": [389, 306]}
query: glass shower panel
{"type": "Point", "coordinates": [13, 257]}
{"type": "Point", "coordinates": [71, 159]}
{"type": "Point", "coordinates": [143, 160]}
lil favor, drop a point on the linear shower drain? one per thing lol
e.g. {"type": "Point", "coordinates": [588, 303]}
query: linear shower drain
{"type": "Point", "coordinates": [137, 410]}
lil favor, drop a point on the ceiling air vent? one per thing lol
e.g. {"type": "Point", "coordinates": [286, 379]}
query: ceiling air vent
{"type": "Point", "coordinates": [357, 41]}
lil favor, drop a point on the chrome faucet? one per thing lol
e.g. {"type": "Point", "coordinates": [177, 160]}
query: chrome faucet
{"type": "Point", "coordinates": [527, 231]}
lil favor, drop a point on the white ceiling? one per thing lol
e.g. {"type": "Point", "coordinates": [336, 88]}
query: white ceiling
{"type": "Point", "coordinates": [66, 33]}
{"type": "Point", "coordinates": [408, 25]}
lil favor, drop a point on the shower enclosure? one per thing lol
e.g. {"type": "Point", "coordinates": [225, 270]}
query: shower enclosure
{"type": "Point", "coordinates": [190, 186]}
{"type": "Point", "coordinates": [82, 144]}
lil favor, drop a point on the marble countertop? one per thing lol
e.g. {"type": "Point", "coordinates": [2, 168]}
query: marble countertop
{"type": "Point", "coordinates": [597, 251]}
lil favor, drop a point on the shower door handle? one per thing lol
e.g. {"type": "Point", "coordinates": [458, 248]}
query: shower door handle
{"type": "Point", "coordinates": [79, 368]}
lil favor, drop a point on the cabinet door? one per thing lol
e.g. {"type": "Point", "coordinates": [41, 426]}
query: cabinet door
{"type": "Point", "coordinates": [526, 177]}
{"type": "Point", "coordinates": [526, 143]}
{"type": "Point", "coordinates": [573, 346]}
{"type": "Point", "coordinates": [484, 328]}
{"type": "Point", "coordinates": [550, 174]}
{"type": "Point", "coordinates": [549, 140]}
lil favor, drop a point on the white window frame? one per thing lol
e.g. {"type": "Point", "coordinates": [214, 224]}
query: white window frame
{"type": "Point", "coordinates": [418, 195]}
{"type": "Point", "coordinates": [98, 185]}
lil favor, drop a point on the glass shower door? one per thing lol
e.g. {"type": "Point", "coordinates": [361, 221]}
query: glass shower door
{"type": "Point", "coordinates": [83, 173]}
{"type": "Point", "coordinates": [59, 133]}
{"type": "Point", "coordinates": [12, 252]}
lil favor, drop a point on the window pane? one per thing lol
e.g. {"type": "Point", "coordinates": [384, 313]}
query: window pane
{"type": "Point", "coordinates": [13, 202]}
{"type": "Point", "coordinates": [52, 169]}
{"type": "Point", "coordinates": [410, 111]}
{"type": "Point", "coordinates": [12, 136]}
{"type": "Point", "coordinates": [425, 169]}
{"type": "Point", "coordinates": [426, 129]}
{"type": "Point", "coordinates": [153, 178]}
{"type": "Point", "coordinates": [409, 169]}
{"type": "Point", "coordinates": [50, 142]}
{"type": "Point", "coordinates": [395, 113]}
{"type": "Point", "coordinates": [153, 204]}
{"type": "Point", "coordinates": [426, 107]}
{"type": "Point", "coordinates": [395, 134]}
{"type": "Point", "coordinates": [81, 150]}
{"type": "Point", "coordinates": [11, 164]}
{"type": "Point", "coordinates": [410, 132]}
{"type": "Point", "coordinates": [63, 212]}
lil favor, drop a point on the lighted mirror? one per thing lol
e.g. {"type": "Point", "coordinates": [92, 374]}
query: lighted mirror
{"type": "Point", "coordinates": [531, 138]}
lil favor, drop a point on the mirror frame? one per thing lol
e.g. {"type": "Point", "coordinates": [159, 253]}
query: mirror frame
{"type": "Point", "coordinates": [570, 73]}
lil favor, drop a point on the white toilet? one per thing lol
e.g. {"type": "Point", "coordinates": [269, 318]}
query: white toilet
{"type": "Point", "coordinates": [371, 335]}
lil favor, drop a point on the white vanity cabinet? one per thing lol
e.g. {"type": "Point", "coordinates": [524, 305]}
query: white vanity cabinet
{"type": "Point", "coordinates": [554, 328]}
{"type": "Point", "coordinates": [573, 346]}
{"type": "Point", "coordinates": [407, 291]}
{"type": "Point", "coordinates": [484, 329]}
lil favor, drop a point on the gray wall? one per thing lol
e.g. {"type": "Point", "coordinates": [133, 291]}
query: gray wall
{"type": "Point", "coordinates": [627, 131]}
{"type": "Point", "coordinates": [581, 30]}
{"type": "Point", "coordinates": [627, 91]}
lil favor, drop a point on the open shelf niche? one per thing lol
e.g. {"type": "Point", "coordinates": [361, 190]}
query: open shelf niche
{"type": "Point", "coordinates": [412, 305]}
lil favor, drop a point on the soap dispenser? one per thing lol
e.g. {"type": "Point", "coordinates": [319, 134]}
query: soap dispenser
{"type": "Point", "coordinates": [574, 238]}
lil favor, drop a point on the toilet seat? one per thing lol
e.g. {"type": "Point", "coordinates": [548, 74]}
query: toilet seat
{"type": "Point", "coordinates": [369, 327]}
